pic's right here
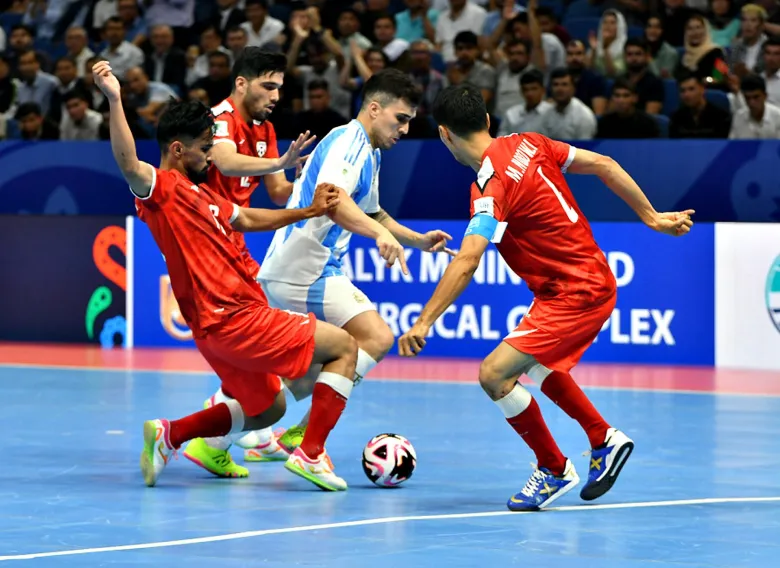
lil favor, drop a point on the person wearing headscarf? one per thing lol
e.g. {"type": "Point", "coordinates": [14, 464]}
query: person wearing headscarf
{"type": "Point", "coordinates": [664, 56]}
{"type": "Point", "coordinates": [724, 23]}
{"type": "Point", "coordinates": [702, 56]}
{"type": "Point", "coordinates": [606, 48]}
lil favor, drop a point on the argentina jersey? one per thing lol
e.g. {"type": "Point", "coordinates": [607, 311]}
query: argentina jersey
{"type": "Point", "coordinates": [310, 249]}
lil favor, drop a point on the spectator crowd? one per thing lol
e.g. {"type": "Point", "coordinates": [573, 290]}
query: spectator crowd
{"type": "Point", "coordinates": [572, 70]}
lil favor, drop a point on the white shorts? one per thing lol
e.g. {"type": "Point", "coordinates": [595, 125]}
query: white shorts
{"type": "Point", "coordinates": [333, 299]}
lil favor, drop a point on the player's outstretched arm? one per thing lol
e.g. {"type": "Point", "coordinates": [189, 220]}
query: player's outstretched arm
{"type": "Point", "coordinates": [139, 175]}
{"type": "Point", "coordinates": [451, 286]}
{"type": "Point", "coordinates": [230, 163]}
{"type": "Point", "coordinates": [432, 241]}
{"type": "Point", "coordinates": [622, 184]}
{"type": "Point", "coordinates": [326, 197]}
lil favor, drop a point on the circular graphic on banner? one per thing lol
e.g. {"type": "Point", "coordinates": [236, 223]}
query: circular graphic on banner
{"type": "Point", "coordinates": [773, 292]}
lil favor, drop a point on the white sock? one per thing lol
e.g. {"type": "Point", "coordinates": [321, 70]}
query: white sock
{"type": "Point", "coordinates": [219, 396]}
{"type": "Point", "coordinates": [364, 365]}
{"type": "Point", "coordinates": [338, 383]}
{"type": "Point", "coordinates": [515, 402]}
{"type": "Point", "coordinates": [236, 427]}
{"type": "Point", "coordinates": [221, 443]}
{"type": "Point", "coordinates": [237, 416]}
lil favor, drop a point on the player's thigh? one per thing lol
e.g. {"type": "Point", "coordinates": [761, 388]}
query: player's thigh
{"type": "Point", "coordinates": [285, 296]}
{"type": "Point", "coordinates": [256, 391]}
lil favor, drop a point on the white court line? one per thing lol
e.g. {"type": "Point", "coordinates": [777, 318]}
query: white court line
{"type": "Point", "coordinates": [386, 380]}
{"type": "Point", "coordinates": [385, 521]}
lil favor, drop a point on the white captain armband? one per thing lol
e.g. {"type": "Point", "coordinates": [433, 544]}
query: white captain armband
{"type": "Point", "coordinates": [486, 226]}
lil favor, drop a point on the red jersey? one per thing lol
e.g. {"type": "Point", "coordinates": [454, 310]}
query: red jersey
{"type": "Point", "coordinates": [542, 234]}
{"type": "Point", "coordinates": [191, 225]}
{"type": "Point", "coordinates": [256, 139]}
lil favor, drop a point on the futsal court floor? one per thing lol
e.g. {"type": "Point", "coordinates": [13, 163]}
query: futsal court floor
{"type": "Point", "coordinates": [701, 489]}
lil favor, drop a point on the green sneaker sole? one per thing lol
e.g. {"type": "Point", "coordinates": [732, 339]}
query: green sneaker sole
{"type": "Point", "coordinates": [308, 477]}
{"type": "Point", "coordinates": [147, 466]}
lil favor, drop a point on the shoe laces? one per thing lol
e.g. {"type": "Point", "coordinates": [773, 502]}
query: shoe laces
{"type": "Point", "coordinates": [533, 483]}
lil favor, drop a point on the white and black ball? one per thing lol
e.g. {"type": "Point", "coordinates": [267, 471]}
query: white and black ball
{"type": "Point", "coordinates": [389, 460]}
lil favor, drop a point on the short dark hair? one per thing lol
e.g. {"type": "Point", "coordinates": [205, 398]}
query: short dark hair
{"type": "Point", "coordinates": [753, 82]}
{"type": "Point", "coordinates": [114, 20]}
{"type": "Point", "coordinates": [67, 58]}
{"type": "Point", "coordinates": [625, 84]}
{"type": "Point", "coordinates": [514, 42]}
{"type": "Point", "coordinates": [773, 41]}
{"type": "Point", "coordinates": [234, 29]}
{"type": "Point", "coordinates": [560, 73]}
{"type": "Point", "coordinates": [639, 42]}
{"type": "Point", "coordinates": [261, 3]}
{"type": "Point", "coordinates": [318, 85]}
{"type": "Point", "coordinates": [531, 77]}
{"type": "Point", "coordinates": [254, 62]}
{"type": "Point", "coordinates": [26, 109]}
{"type": "Point", "coordinates": [466, 38]}
{"type": "Point", "coordinates": [184, 121]}
{"type": "Point", "coordinates": [385, 16]}
{"type": "Point", "coordinates": [29, 52]}
{"type": "Point", "coordinates": [462, 109]}
{"type": "Point", "coordinates": [219, 55]}
{"type": "Point", "coordinates": [75, 94]}
{"type": "Point", "coordinates": [688, 76]}
{"type": "Point", "coordinates": [390, 85]}
{"type": "Point", "coordinates": [29, 29]}
{"type": "Point", "coordinates": [546, 11]}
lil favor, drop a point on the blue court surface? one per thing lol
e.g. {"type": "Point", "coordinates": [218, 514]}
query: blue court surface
{"type": "Point", "coordinates": [701, 489]}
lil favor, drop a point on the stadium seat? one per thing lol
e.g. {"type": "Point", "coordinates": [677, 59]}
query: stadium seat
{"type": "Point", "coordinates": [663, 124]}
{"type": "Point", "coordinates": [7, 21]}
{"type": "Point", "coordinates": [636, 31]}
{"type": "Point", "coordinates": [718, 98]}
{"type": "Point", "coordinates": [555, 5]}
{"type": "Point", "coordinates": [580, 28]}
{"type": "Point", "coordinates": [437, 62]}
{"type": "Point", "coordinates": [608, 84]}
{"type": "Point", "coordinates": [584, 9]}
{"type": "Point", "coordinates": [671, 97]}
{"type": "Point", "coordinates": [12, 131]}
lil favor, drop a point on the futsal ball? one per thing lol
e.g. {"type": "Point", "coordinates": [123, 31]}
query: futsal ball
{"type": "Point", "coordinates": [389, 460]}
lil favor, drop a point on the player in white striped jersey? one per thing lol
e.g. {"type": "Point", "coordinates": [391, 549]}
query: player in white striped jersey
{"type": "Point", "coordinates": [302, 269]}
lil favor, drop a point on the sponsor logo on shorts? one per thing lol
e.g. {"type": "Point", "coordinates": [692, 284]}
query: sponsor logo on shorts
{"type": "Point", "coordinates": [170, 316]}
{"type": "Point", "coordinates": [359, 297]}
{"type": "Point", "coordinates": [773, 292]}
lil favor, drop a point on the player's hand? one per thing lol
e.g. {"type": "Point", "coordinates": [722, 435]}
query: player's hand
{"type": "Point", "coordinates": [292, 157]}
{"type": "Point", "coordinates": [391, 250]}
{"type": "Point", "coordinates": [435, 241]}
{"type": "Point", "coordinates": [326, 197]}
{"type": "Point", "coordinates": [675, 224]}
{"type": "Point", "coordinates": [413, 341]}
{"type": "Point", "coordinates": [106, 81]}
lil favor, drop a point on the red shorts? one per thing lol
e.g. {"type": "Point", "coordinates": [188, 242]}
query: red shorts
{"type": "Point", "coordinates": [557, 334]}
{"type": "Point", "coordinates": [252, 349]}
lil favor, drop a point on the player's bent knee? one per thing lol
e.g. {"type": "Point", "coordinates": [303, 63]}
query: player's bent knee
{"type": "Point", "coordinates": [490, 376]}
{"type": "Point", "coordinates": [384, 340]}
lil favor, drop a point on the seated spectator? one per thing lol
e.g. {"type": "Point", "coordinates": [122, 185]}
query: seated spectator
{"type": "Point", "coordinates": [320, 118]}
{"type": "Point", "coordinates": [649, 88]}
{"type": "Point", "coordinates": [79, 122]}
{"type": "Point", "coordinates": [384, 32]}
{"type": "Point", "coordinates": [697, 117]}
{"type": "Point", "coordinates": [96, 97]}
{"type": "Point", "coordinates": [366, 64]}
{"type": "Point", "coordinates": [606, 49]}
{"type": "Point", "coordinates": [228, 17]}
{"type": "Point", "coordinates": [758, 119]}
{"type": "Point", "coordinates": [502, 13]}
{"type": "Point", "coordinates": [261, 28]}
{"type": "Point", "coordinates": [76, 41]}
{"type": "Point", "coordinates": [624, 120]}
{"type": "Point", "coordinates": [549, 24]}
{"type": "Point", "coordinates": [508, 73]}
{"type": "Point", "coordinates": [461, 16]}
{"type": "Point", "coordinates": [199, 95]}
{"type": "Point", "coordinates": [219, 83]}
{"type": "Point", "coordinates": [34, 85]}
{"type": "Point", "coordinates": [591, 88]}
{"type": "Point", "coordinates": [664, 56]}
{"type": "Point", "coordinates": [20, 40]}
{"type": "Point", "coordinates": [418, 21]}
{"type": "Point", "coordinates": [166, 63]}
{"type": "Point", "coordinates": [527, 116]}
{"type": "Point", "coordinates": [469, 69]}
{"type": "Point", "coordinates": [746, 50]}
{"type": "Point", "coordinates": [68, 80]}
{"type": "Point", "coordinates": [135, 24]}
{"type": "Point", "coordinates": [33, 126]}
{"type": "Point", "coordinates": [236, 41]}
{"type": "Point", "coordinates": [147, 98]}
{"type": "Point", "coordinates": [210, 41]}
{"type": "Point", "coordinates": [702, 56]}
{"type": "Point", "coordinates": [526, 28]}
{"type": "Point", "coordinates": [674, 16]}
{"type": "Point", "coordinates": [570, 118]}
{"type": "Point", "coordinates": [7, 87]}
{"type": "Point", "coordinates": [771, 69]}
{"type": "Point", "coordinates": [349, 30]}
{"type": "Point", "coordinates": [724, 25]}
{"type": "Point", "coordinates": [429, 80]}
{"type": "Point", "coordinates": [120, 53]}
{"type": "Point", "coordinates": [179, 14]}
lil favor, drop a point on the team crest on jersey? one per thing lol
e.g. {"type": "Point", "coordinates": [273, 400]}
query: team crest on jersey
{"type": "Point", "coordinates": [261, 149]}
{"type": "Point", "coordinates": [220, 128]}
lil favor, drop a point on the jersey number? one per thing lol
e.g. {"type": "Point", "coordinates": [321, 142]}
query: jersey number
{"type": "Point", "coordinates": [570, 212]}
{"type": "Point", "coordinates": [245, 181]}
{"type": "Point", "coordinates": [215, 212]}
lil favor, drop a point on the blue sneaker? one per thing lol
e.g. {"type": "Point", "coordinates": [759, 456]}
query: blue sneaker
{"type": "Point", "coordinates": [543, 488]}
{"type": "Point", "coordinates": [606, 463]}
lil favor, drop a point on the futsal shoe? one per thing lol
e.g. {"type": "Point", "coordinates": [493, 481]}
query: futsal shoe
{"type": "Point", "coordinates": [319, 471]}
{"type": "Point", "coordinates": [214, 460]}
{"type": "Point", "coordinates": [606, 461]}
{"type": "Point", "coordinates": [157, 450]}
{"type": "Point", "coordinates": [292, 438]}
{"type": "Point", "coordinates": [269, 451]}
{"type": "Point", "coordinates": [543, 488]}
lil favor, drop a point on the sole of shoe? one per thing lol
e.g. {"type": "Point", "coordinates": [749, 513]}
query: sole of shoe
{"type": "Point", "coordinates": [596, 490]}
{"type": "Point", "coordinates": [311, 478]}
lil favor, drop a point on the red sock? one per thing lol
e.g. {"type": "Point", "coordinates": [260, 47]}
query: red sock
{"type": "Point", "coordinates": [563, 391]}
{"type": "Point", "coordinates": [534, 432]}
{"type": "Point", "coordinates": [326, 408]}
{"type": "Point", "coordinates": [209, 423]}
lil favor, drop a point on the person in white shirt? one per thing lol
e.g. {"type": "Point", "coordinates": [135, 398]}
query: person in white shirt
{"type": "Point", "coordinates": [462, 16]}
{"type": "Point", "coordinates": [384, 32]}
{"type": "Point", "coordinates": [120, 54]}
{"type": "Point", "coordinates": [759, 119]}
{"type": "Point", "coordinates": [261, 28]}
{"type": "Point", "coordinates": [527, 116]}
{"type": "Point", "coordinates": [570, 118]}
{"type": "Point", "coordinates": [210, 41]}
{"type": "Point", "coordinates": [76, 41]}
{"type": "Point", "coordinates": [79, 122]}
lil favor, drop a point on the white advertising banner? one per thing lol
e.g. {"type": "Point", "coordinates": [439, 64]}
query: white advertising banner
{"type": "Point", "coordinates": [747, 295]}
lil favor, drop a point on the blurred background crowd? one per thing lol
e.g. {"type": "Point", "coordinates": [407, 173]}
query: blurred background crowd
{"type": "Point", "coordinates": [571, 70]}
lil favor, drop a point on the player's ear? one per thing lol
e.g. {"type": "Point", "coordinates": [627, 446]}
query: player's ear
{"type": "Point", "coordinates": [176, 149]}
{"type": "Point", "coordinates": [487, 117]}
{"type": "Point", "coordinates": [444, 134]}
{"type": "Point", "coordinates": [240, 85]}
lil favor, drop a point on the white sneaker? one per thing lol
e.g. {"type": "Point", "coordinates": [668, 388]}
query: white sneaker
{"type": "Point", "coordinates": [157, 450]}
{"type": "Point", "coordinates": [319, 471]}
